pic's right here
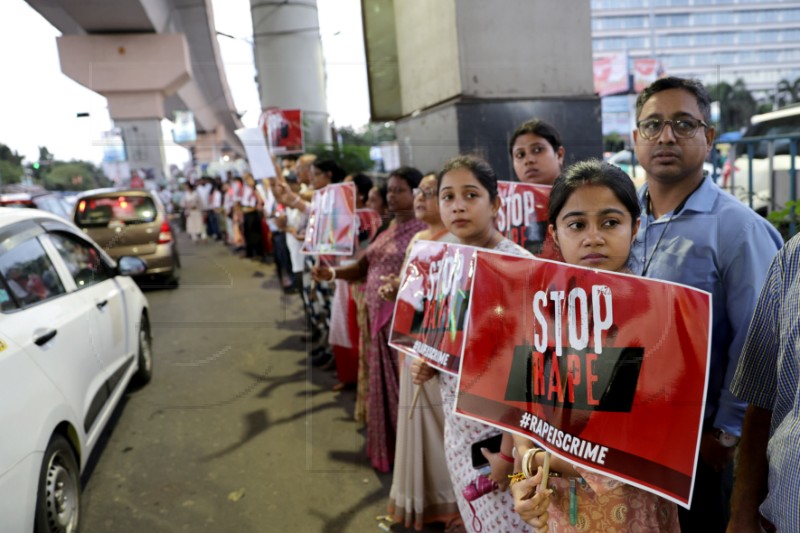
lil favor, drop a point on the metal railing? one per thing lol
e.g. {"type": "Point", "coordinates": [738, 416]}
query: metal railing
{"type": "Point", "coordinates": [775, 205]}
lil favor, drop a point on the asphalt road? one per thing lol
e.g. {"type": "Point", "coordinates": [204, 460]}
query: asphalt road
{"type": "Point", "coordinates": [236, 432]}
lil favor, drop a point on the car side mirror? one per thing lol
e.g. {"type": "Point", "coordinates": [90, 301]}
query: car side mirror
{"type": "Point", "coordinates": [131, 266]}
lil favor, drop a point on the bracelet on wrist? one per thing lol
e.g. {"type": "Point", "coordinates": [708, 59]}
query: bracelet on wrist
{"type": "Point", "coordinates": [333, 273]}
{"type": "Point", "coordinates": [526, 461]}
{"type": "Point", "coordinates": [505, 457]}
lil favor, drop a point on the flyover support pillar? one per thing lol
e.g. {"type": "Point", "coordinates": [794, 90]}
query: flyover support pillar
{"type": "Point", "coordinates": [288, 56]}
{"type": "Point", "coordinates": [460, 75]}
{"type": "Point", "coordinates": [135, 72]}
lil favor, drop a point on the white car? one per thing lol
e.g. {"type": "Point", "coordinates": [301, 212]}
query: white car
{"type": "Point", "coordinates": [623, 158]}
{"type": "Point", "coordinates": [771, 163]}
{"type": "Point", "coordinates": [74, 331]}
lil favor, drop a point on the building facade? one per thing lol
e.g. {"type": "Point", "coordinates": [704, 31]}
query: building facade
{"type": "Point", "coordinates": [714, 41]}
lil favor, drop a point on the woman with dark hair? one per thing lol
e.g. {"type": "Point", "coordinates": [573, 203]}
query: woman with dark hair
{"type": "Point", "coordinates": [537, 156]}
{"type": "Point", "coordinates": [536, 151]}
{"type": "Point", "coordinates": [325, 172]}
{"type": "Point", "coordinates": [421, 490]}
{"type": "Point", "coordinates": [594, 218]}
{"type": "Point", "coordinates": [316, 297]}
{"type": "Point", "coordinates": [468, 202]}
{"type": "Point", "coordinates": [363, 185]}
{"type": "Point", "coordinates": [384, 257]}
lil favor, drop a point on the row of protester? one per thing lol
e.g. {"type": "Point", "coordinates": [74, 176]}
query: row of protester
{"type": "Point", "coordinates": [602, 398]}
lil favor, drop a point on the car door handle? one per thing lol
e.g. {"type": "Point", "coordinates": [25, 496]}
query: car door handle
{"type": "Point", "coordinates": [101, 304]}
{"type": "Point", "coordinates": [41, 338]}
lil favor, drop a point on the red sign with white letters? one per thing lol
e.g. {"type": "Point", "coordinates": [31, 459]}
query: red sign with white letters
{"type": "Point", "coordinates": [605, 370]}
{"type": "Point", "coordinates": [522, 217]}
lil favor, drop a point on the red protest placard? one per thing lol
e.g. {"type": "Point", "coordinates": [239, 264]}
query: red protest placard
{"type": "Point", "coordinates": [605, 370]}
{"type": "Point", "coordinates": [283, 130]}
{"type": "Point", "coordinates": [332, 223]}
{"type": "Point", "coordinates": [522, 218]}
{"type": "Point", "coordinates": [432, 303]}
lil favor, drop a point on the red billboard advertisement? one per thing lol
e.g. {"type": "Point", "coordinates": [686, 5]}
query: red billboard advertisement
{"type": "Point", "coordinates": [332, 223]}
{"type": "Point", "coordinates": [607, 371]}
{"type": "Point", "coordinates": [432, 303]}
{"type": "Point", "coordinates": [611, 74]}
{"type": "Point", "coordinates": [283, 130]}
{"type": "Point", "coordinates": [645, 72]}
{"type": "Point", "coordinates": [522, 218]}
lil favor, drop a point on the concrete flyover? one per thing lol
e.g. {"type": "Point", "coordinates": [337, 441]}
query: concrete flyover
{"type": "Point", "coordinates": [149, 58]}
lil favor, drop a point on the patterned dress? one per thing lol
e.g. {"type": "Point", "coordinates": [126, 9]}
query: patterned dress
{"type": "Point", "coordinates": [608, 505]}
{"type": "Point", "coordinates": [421, 489]}
{"type": "Point", "coordinates": [494, 511]}
{"type": "Point", "coordinates": [385, 256]}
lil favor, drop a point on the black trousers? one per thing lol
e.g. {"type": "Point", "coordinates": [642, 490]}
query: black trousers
{"type": "Point", "coordinates": [711, 498]}
{"type": "Point", "coordinates": [281, 252]}
{"type": "Point", "coordinates": [252, 234]}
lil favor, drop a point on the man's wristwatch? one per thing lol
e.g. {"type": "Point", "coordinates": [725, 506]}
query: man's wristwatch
{"type": "Point", "coordinates": [726, 439]}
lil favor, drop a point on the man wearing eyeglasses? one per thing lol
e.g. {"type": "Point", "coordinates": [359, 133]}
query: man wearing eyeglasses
{"type": "Point", "coordinates": [694, 233]}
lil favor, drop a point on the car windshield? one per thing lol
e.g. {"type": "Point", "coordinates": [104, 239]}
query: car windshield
{"type": "Point", "coordinates": [102, 210]}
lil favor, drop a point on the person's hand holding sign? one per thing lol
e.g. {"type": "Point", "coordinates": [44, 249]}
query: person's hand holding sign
{"type": "Point", "coordinates": [388, 291]}
{"type": "Point", "coordinates": [531, 504]}
{"type": "Point", "coordinates": [421, 371]}
{"type": "Point", "coordinates": [323, 273]}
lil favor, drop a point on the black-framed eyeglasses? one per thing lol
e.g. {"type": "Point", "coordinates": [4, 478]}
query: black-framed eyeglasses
{"type": "Point", "coordinates": [427, 193]}
{"type": "Point", "coordinates": [684, 128]}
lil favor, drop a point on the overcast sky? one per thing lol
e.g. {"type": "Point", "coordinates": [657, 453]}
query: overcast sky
{"type": "Point", "coordinates": [39, 105]}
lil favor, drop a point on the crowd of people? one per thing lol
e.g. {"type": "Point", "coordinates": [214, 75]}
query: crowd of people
{"type": "Point", "coordinates": [678, 227]}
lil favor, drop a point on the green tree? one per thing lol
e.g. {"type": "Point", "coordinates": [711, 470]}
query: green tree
{"type": "Point", "coordinates": [352, 158]}
{"type": "Point", "coordinates": [10, 173]}
{"type": "Point", "coordinates": [613, 142]}
{"type": "Point", "coordinates": [7, 155]}
{"type": "Point", "coordinates": [10, 166]}
{"type": "Point", "coordinates": [369, 134]}
{"type": "Point", "coordinates": [736, 104]}
{"type": "Point", "coordinates": [74, 176]}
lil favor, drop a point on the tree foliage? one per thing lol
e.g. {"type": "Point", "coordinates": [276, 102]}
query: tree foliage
{"type": "Point", "coordinates": [10, 165]}
{"type": "Point", "coordinates": [74, 176]}
{"type": "Point", "coordinates": [736, 104]}
{"type": "Point", "coordinates": [7, 155]}
{"type": "Point", "coordinates": [352, 158]}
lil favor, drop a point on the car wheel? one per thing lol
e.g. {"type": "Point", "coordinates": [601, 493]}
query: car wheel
{"type": "Point", "coordinates": [174, 277]}
{"type": "Point", "coordinates": [145, 371]}
{"type": "Point", "coordinates": [58, 500]}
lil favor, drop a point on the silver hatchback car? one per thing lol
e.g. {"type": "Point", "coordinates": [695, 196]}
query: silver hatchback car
{"type": "Point", "coordinates": [131, 222]}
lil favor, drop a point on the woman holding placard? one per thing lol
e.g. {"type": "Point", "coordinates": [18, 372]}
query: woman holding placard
{"type": "Point", "coordinates": [594, 217]}
{"type": "Point", "coordinates": [384, 257]}
{"type": "Point", "coordinates": [468, 202]}
{"type": "Point", "coordinates": [421, 490]}
{"type": "Point", "coordinates": [316, 297]}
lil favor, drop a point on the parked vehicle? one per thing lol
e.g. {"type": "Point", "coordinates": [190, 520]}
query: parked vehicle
{"type": "Point", "coordinates": [771, 161]}
{"type": "Point", "coordinates": [131, 222]}
{"type": "Point", "coordinates": [74, 332]}
{"type": "Point", "coordinates": [623, 159]}
{"type": "Point", "coordinates": [46, 200]}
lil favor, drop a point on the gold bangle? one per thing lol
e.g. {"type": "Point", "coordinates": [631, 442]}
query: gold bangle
{"type": "Point", "coordinates": [531, 457]}
{"type": "Point", "coordinates": [526, 462]}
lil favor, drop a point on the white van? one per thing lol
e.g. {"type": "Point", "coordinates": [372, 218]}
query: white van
{"type": "Point", "coordinates": [771, 162]}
